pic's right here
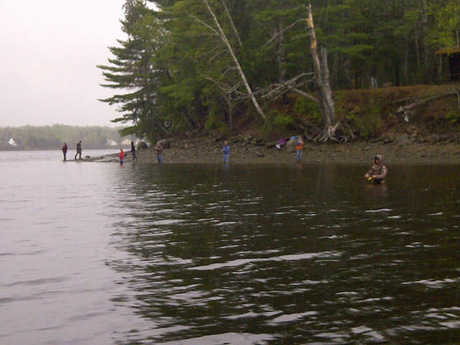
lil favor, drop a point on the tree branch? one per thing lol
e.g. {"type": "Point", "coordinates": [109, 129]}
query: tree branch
{"type": "Point", "coordinates": [283, 31]}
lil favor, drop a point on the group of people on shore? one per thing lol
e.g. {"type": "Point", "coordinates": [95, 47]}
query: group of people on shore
{"type": "Point", "coordinates": [158, 150]}
{"type": "Point", "coordinates": [376, 173]}
{"type": "Point", "coordinates": [122, 154]}
{"type": "Point", "coordinates": [78, 149]}
{"type": "Point", "coordinates": [78, 153]}
{"type": "Point", "coordinates": [299, 145]}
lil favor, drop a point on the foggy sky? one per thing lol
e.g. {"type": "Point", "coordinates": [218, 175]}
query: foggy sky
{"type": "Point", "coordinates": [49, 50]}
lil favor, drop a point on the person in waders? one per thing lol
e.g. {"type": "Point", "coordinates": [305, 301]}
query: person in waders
{"type": "Point", "coordinates": [378, 171]}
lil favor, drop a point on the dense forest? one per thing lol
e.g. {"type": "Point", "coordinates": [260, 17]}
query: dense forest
{"type": "Point", "coordinates": [53, 137]}
{"type": "Point", "coordinates": [188, 66]}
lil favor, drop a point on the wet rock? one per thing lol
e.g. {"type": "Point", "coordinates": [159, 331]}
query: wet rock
{"type": "Point", "coordinates": [404, 140]}
{"type": "Point", "coordinates": [433, 139]}
{"type": "Point", "coordinates": [166, 143]}
{"type": "Point", "coordinates": [142, 145]}
{"type": "Point", "coordinates": [388, 140]}
{"type": "Point", "coordinates": [270, 144]}
{"type": "Point", "coordinates": [290, 144]}
{"type": "Point", "coordinates": [259, 142]}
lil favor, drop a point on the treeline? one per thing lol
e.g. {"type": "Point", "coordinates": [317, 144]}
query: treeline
{"type": "Point", "coordinates": [53, 137]}
{"type": "Point", "coordinates": [209, 65]}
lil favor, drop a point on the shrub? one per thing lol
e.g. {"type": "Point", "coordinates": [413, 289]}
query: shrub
{"type": "Point", "coordinates": [452, 116]}
{"type": "Point", "coordinates": [366, 126]}
{"type": "Point", "coordinates": [281, 121]}
{"type": "Point", "coordinates": [308, 108]}
{"type": "Point", "coordinates": [215, 123]}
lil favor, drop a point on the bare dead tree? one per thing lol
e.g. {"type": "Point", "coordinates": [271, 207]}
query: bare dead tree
{"type": "Point", "coordinates": [230, 19]}
{"type": "Point", "coordinates": [325, 102]}
{"type": "Point", "coordinates": [226, 42]}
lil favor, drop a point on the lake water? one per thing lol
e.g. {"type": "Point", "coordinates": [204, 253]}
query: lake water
{"type": "Point", "coordinates": [98, 253]}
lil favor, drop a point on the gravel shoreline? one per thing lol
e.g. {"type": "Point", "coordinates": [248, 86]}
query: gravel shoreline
{"type": "Point", "coordinates": [241, 152]}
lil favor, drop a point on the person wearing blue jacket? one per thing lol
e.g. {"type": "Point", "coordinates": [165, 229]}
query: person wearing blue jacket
{"type": "Point", "coordinates": [226, 151]}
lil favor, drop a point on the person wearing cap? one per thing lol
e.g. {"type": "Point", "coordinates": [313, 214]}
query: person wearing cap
{"type": "Point", "coordinates": [378, 171]}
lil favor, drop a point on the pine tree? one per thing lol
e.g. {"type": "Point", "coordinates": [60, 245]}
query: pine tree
{"type": "Point", "coordinates": [133, 69]}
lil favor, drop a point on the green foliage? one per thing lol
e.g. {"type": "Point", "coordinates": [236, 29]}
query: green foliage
{"type": "Point", "coordinates": [446, 23]}
{"type": "Point", "coordinates": [174, 73]}
{"type": "Point", "coordinates": [282, 121]}
{"type": "Point", "coordinates": [307, 108]}
{"type": "Point", "coordinates": [133, 68]}
{"type": "Point", "coordinates": [365, 125]}
{"type": "Point", "coordinates": [276, 123]}
{"type": "Point", "coordinates": [453, 116]}
{"type": "Point", "coordinates": [367, 121]}
{"type": "Point", "coordinates": [215, 123]}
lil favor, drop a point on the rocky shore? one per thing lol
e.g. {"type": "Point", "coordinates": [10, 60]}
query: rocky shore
{"type": "Point", "coordinates": [254, 151]}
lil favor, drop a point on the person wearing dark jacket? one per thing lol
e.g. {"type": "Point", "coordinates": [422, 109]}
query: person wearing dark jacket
{"type": "Point", "coordinates": [64, 151]}
{"type": "Point", "coordinates": [133, 151]}
{"type": "Point", "coordinates": [78, 150]}
{"type": "Point", "coordinates": [378, 171]}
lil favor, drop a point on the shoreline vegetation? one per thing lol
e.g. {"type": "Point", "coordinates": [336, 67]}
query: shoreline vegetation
{"type": "Point", "coordinates": [425, 131]}
{"type": "Point", "coordinates": [412, 124]}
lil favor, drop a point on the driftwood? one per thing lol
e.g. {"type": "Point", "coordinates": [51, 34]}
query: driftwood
{"type": "Point", "coordinates": [408, 108]}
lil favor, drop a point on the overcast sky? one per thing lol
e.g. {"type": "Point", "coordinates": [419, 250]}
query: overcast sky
{"type": "Point", "coordinates": [49, 50]}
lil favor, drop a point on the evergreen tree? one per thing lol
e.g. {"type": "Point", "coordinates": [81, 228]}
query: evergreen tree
{"type": "Point", "coordinates": [195, 64]}
{"type": "Point", "coordinates": [133, 69]}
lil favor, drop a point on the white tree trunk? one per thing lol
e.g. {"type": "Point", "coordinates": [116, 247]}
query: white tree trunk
{"type": "Point", "coordinates": [326, 105]}
{"type": "Point", "coordinates": [235, 31]}
{"type": "Point", "coordinates": [224, 39]}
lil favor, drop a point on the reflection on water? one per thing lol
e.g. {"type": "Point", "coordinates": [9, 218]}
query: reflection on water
{"type": "Point", "coordinates": [267, 254]}
{"type": "Point", "coordinates": [202, 254]}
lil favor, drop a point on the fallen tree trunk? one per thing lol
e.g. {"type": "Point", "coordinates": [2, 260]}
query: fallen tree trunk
{"type": "Point", "coordinates": [423, 101]}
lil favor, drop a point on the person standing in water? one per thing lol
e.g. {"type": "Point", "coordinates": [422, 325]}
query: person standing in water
{"type": "Point", "coordinates": [226, 151]}
{"type": "Point", "coordinates": [378, 171]}
{"type": "Point", "coordinates": [64, 151]}
{"type": "Point", "coordinates": [299, 148]}
{"type": "Point", "coordinates": [159, 150]}
{"type": "Point", "coordinates": [133, 151]}
{"type": "Point", "coordinates": [121, 155]}
{"type": "Point", "coordinates": [78, 150]}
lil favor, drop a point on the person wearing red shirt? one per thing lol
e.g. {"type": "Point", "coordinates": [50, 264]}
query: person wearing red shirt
{"type": "Point", "coordinates": [121, 155]}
